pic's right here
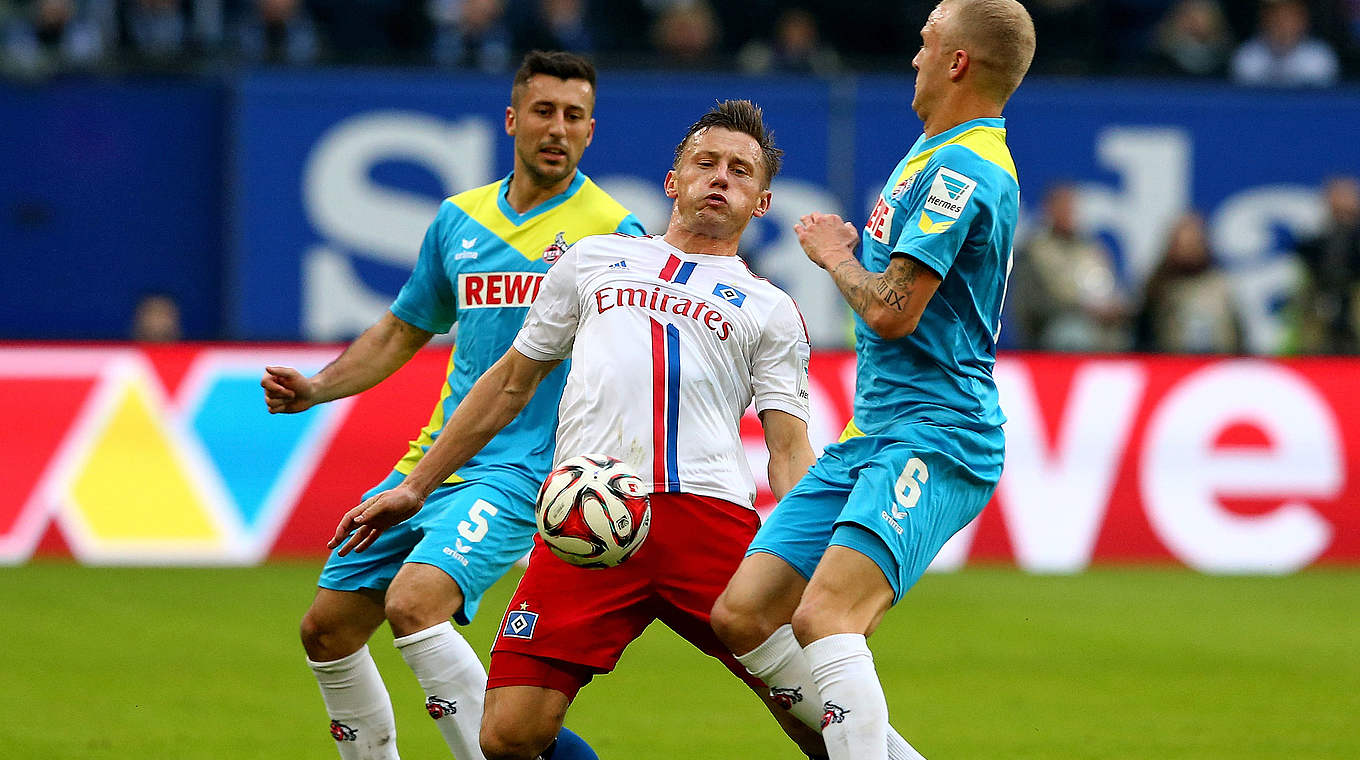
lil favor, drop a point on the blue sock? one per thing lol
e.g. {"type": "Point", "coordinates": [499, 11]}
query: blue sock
{"type": "Point", "coordinates": [569, 746]}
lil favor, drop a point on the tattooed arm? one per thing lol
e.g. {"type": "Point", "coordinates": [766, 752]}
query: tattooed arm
{"type": "Point", "coordinates": [890, 302]}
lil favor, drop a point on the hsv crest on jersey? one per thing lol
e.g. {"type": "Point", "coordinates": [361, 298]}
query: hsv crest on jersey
{"type": "Point", "coordinates": [439, 708]}
{"type": "Point", "coordinates": [729, 294]}
{"type": "Point", "coordinates": [479, 290]}
{"type": "Point", "coordinates": [519, 624]}
{"type": "Point", "coordinates": [559, 246]}
{"type": "Point", "coordinates": [949, 193]}
{"type": "Point", "coordinates": [342, 733]}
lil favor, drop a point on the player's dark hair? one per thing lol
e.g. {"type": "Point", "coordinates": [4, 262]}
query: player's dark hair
{"type": "Point", "coordinates": [554, 63]}
{"type": "Point", "coordinates": [739, 116]}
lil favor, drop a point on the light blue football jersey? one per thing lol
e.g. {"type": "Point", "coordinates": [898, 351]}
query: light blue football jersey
{"type": "Point", "coordinates": [952, 204]}
{"type": "Point", "coordinates": [480, 267]}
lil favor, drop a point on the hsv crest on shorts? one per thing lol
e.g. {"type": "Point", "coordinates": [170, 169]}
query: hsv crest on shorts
{"type": "Point", "coordinates": [519, 624]}
{"type": "Point", "coordinates": [342, 733]}
{"type": "Point", "coordinates": [439, 708]}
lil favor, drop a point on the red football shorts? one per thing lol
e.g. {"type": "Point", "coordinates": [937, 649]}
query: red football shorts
{"type": "Point", "coordinates": [567, 623]}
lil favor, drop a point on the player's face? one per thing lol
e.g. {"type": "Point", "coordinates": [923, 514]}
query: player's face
{"type": "Point", "coordinates": [932, 64]}
{"type": "Point", "coordinates": [718, 185]}
{"type": "Point", "coordinates": [552, 125]}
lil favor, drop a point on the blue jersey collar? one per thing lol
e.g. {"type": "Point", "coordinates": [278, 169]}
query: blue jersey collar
{"type": "Point", "coordinates": [517, 218]}
{"type": "Point", "coordinates": [998, 122]}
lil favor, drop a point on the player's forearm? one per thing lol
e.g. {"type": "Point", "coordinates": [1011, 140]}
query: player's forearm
{"type": "Point", "coordinates": [890, 302]}
{"type": "Point", "coordinates": [785, 471]}
{"type": "Point", "coordinates": [381, 350]}
{"type": "Point", "coordinates": [493, 402]}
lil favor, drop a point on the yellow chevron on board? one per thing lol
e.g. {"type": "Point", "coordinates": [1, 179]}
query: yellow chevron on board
{"type": "Point", "coordinates": [132, 487]}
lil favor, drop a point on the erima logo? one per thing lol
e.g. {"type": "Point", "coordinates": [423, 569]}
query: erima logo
{"type": "Point", "coordinates": [469, 242]}
{"type": "Point", "coordinates": [519, 624]}
{"type": "Point", "coordinates": [729, 294]}
{"type": "Point", "coordinates": [949, 193]}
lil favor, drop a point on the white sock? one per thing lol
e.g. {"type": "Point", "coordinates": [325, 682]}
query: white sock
{"type": "Point", "coordinates": [855, 718]}
{"type": "Point", "coordinates": [358, 705]}
{"type": "Point", "coordinates": [780, 662]}
{"type": "Point", "coordinates": [454, 682]}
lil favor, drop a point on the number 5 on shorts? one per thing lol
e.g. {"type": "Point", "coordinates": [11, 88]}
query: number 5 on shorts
{"type": "Point", "coordinates": [476, 530]}
{"type": "Point", "coordinates": [908, 488]}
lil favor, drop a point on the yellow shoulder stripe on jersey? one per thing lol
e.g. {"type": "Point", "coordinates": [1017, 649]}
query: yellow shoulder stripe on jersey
{"type": "Point", "coordinates": [422, 443]}
{"type": "Point", "coordinates": [989, 143]}
{"type": "Point", "coordinates": [586, 212]}
{"type": "Point", "coordinates": [851, 431]}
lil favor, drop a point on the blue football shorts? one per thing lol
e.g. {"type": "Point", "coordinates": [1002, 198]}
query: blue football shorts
{"type": "Point", "coordinates": [473, 530]}
{"type": "Point", "coordinates": [892, 501]}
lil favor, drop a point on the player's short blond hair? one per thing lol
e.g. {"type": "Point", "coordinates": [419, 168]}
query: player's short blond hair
{"type": "Point", "coordinates": [999, 38]}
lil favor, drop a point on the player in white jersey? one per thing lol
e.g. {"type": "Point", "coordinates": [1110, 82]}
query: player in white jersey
{"type": "Point", "coordinates": [671, 338]}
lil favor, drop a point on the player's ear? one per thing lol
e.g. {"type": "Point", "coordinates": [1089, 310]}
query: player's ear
{"type": "Point", "coordinates": [510, 121]}
{"type": "Point", "coordinates": [959, 66]}
{"type": "Point", "coordinates": [590, 136]}
{"type": "Point", "coordinates": [762, 205]}
{"type": "Point", "coordinates": [669, 184]}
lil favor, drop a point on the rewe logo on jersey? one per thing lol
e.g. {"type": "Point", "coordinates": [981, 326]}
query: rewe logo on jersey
{"type": "Point", "coordinates": [480, 290]}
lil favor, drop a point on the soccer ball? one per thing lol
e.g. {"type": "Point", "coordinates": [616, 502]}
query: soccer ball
{"type": "Point", "coordinates": [593, 511]}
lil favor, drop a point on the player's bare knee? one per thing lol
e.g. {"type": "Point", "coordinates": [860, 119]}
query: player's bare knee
{"type": "Point", "coordinates": [739, 627]}
{"type": "Point", "coordinates": [501, 741]}
{"type": "Point", "coordinates": [324, 642]}
{"type": "Point", "coordinates": [812, 620]}
{"type": "Point", "coordinates": [410, 609]}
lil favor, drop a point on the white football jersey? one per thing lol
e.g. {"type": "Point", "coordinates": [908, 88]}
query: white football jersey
{"type": "Point", "coordinates": [667, 350]}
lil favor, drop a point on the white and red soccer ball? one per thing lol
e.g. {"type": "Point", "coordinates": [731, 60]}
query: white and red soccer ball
{"type": "Point", "coordinates": [593, 511]}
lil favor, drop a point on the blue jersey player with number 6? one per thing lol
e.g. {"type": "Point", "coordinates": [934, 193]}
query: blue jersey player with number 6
{"type": "Point", "coordinates": [923, 453]}
{"type": "Point", "coordinates": [480, 267]}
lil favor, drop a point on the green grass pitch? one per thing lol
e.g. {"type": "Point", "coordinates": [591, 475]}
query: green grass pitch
{"type": "Point", "coordinates": [985, 663]}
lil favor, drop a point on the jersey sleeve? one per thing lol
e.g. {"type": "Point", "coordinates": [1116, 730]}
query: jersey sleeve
{"type": "Point", "coordinates": [427, 300]}
{"type": "Point", "coordinates": [631, 226]}
{"type": "Point", "coordinates": [941, 208]}
{"type": "Point", "coordinates": [779, 372]}
{"type": "Point", "coordinates": [550, 326]}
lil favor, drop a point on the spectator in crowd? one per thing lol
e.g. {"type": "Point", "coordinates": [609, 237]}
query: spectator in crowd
{"type": "Point", "coordinates": [156, 319]}
{"type": "Point", "coordinates": [374, 30]}
{"type": "Point", "coordinates": [43, 36]}
{"type": "Point", "coordinates": [1188, 305]}
{"type": "Point", "coordinates": [156, 31]}
{"type": "Point", "coordinates": [1070, 30]}
{"type": "Point", "coordinates": [1330, 299]}
{"type": "Point", "coordinates": [1066, 295]}
{"type": "Point", "coordinates": [1282, 53]}
{"type": "Point", "coordinates": [686, 34]}
{"type": "Point", "coordinates": [277, 31]}
{"type": "Point", "coordinates": [796, 48]}
{"type": "Point", "coordinates": [1193, 39]}
{"type": "Point", "coordinates": [552, 25]}
{"type": "Point", "coordinates": [471, 34]}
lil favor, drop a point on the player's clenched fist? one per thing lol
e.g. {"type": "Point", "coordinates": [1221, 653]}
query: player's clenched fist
{"type": "Point", "coordinates": [287, 391]}
{"type": "Point", "coordinates": [826, 238]}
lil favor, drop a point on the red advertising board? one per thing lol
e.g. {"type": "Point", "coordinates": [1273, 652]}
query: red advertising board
{"type": "Point", "coordinates": [165, 455]}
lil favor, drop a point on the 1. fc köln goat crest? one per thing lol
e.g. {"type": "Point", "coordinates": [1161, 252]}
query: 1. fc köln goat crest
{"type": "Point", "coordinates": [559, 246]}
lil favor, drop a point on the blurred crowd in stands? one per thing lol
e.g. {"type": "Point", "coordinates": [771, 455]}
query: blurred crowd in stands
{"type": "Point", "coordinates": [1257, 42]}
{"type": "Point", "coordinates": [1067, 294]}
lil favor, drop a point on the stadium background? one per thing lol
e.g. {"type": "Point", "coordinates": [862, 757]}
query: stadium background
{"type": "Point", "coordinates": [282, 208]}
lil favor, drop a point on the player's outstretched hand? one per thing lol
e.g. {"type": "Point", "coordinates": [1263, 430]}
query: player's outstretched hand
{"type": "Point", "coordinates": [287, 391]}
{"type": "Point", "coordinates": [366, 522]}
{"type": "Point", "coordinates": [826, 238]}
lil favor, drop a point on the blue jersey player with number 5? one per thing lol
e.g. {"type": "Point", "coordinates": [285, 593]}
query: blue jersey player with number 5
{"type": "Point", "coordinates": [480, 266]}
{"type": "Point", "coordinates": [923, 453]}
